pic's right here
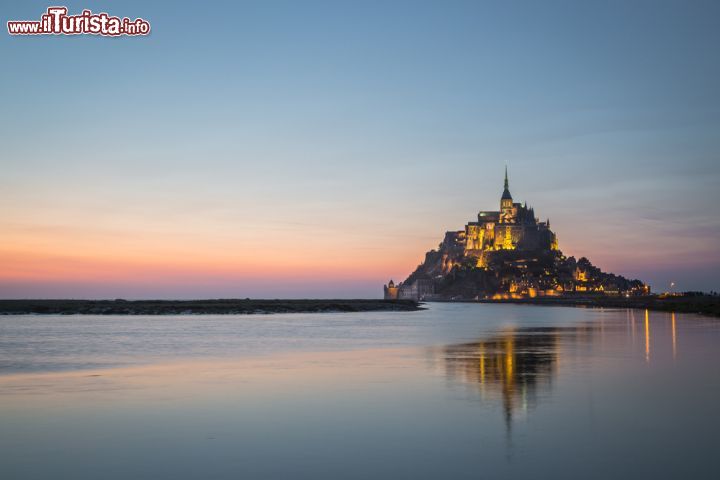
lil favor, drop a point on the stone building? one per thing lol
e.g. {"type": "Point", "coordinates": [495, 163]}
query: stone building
{"type": "Point", "coordinates": [390, 291]}
{"type": "Point", "coordinates": [513, 226]}
{"type": "Point", "coordinates": [418, 289]}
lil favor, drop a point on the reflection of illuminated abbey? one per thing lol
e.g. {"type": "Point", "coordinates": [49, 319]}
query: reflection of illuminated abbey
{"type": "Point", "coordinates": [510, 367]}
{"type": "Point", "coordinates": [516, 367]}
{"type": "Point", "coordinates": [507, 252]}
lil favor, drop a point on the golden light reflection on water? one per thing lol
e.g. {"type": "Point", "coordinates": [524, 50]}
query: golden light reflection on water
{"type": "Point", "coordinates": [511, 367]}
{"type": "Point", "coordinates": [647, 336]}
{"type": "Point", "coordinates": [481, 348]}
{"type": "Point", "coordinates": [674, 336]}
{"type": "Point", "coordinates": [517, 366]}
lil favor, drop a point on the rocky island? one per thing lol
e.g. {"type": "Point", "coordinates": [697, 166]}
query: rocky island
{"type": "Point", "coordinates": [507, 254]}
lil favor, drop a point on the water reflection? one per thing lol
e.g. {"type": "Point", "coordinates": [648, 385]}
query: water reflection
{"type": "Point", "coordinates": [602, 392]}
{"type": "Point", "coordinates": [515, 367]}
{"type": "Point", "coordinates": [647, 336]}
{"type": "Point", "coordinates": [674, 337]}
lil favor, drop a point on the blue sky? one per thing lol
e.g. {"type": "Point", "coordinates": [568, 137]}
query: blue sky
{"type": "Point", "coordinates": [334, 131]}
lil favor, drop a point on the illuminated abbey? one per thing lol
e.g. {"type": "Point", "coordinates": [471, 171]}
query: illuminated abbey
{"type": "Point", "coordinates": [505, 252]}
{"type": "Point", "coordinates": [512, 227]}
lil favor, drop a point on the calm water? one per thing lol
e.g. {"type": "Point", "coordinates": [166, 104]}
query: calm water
{"type": "Point", "coordinates": [466, 391]}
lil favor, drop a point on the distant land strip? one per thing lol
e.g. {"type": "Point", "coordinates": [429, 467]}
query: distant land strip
{"type": "Point", "coordinates": [702, 304]}
{"type": "Point", "coordinates": [182, 307]}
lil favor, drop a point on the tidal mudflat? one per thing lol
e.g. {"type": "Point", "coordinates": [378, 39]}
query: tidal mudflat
{"type": "Point", "coordinates": [471, 390]}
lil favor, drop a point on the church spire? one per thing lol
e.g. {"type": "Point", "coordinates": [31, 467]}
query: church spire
{"type": "Point", "coordinates": [506, 191]}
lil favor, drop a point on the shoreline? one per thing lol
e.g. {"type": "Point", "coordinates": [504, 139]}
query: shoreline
{"type": "Point", "coordinates": [200, 307]}
{"type": "Point", "coordinates": [703, 305]}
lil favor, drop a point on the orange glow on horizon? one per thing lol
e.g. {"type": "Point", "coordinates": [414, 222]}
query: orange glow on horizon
{"type": "Point", "coordinates": [74, 255]}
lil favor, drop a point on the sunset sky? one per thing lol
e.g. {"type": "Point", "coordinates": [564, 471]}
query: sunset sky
{"type": "Point", "coordinates": [318, 149]}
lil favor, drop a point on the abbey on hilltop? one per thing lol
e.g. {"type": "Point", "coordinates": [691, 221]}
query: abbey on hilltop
{"type": "Point", "coordinates": [512, 227]}
{"type": "Point", "coordinates": [505, 253]}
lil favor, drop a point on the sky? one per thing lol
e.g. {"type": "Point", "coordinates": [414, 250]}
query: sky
{"type": "Point", "coordinates": [317, 149]}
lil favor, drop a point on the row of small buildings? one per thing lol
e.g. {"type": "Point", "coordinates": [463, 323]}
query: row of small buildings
{"type": "Point", "coordinates": [424, 289]}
